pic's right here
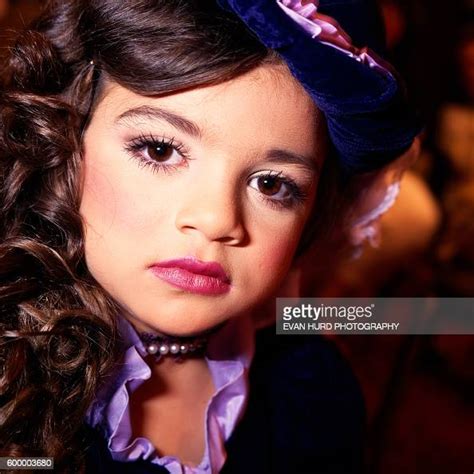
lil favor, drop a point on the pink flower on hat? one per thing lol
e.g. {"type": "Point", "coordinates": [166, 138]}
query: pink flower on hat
{"type": "Point", "coordinates": [328, 31]}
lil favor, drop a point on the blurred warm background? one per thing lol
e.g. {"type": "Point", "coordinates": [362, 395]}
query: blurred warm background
{"type": "Point", "coordinates": [419, 390]}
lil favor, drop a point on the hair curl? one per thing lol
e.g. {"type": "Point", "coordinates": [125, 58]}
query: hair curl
{"type": "Point", "coordinates": [56, 323]}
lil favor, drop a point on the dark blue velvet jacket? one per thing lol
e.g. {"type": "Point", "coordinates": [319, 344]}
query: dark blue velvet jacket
{"type": "Point", "coordinates": [305, 414]}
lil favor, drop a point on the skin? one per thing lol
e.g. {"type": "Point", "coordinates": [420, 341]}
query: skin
{"type": "Point", "coordinates": [206, 207]}
{"type": "Point", "coordinates": [209, 206]}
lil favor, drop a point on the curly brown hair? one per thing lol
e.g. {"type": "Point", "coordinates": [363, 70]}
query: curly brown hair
{"type": "Point", "coordinates": [58, 337]}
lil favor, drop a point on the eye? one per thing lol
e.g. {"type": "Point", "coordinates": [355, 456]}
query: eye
{"type": "Point", "coordinates": [160, 154]}
{"type": "Point", "coordinates": [277, 190]}
{"type": "Point", "coordinates": [161, 151]}
{"type": "Point", "coordinates": [271, 185]}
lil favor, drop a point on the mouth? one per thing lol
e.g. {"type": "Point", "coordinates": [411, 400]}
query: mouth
{"type": "Point", "coordinates": [193, 275]}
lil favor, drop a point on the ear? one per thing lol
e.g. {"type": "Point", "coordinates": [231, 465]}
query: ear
{"type": "Point", "coordinates": [379, 191]}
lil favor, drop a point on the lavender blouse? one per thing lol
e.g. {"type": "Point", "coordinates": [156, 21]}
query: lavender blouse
{"type": "Point", "coordinates": [230, 352]}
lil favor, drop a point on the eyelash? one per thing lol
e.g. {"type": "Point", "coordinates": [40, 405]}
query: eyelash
{"type": "Point", "coordinates": [297, 195]}
{"type": "Point", "coordinates": [136, 146]}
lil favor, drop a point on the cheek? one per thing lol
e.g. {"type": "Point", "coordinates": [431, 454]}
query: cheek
{"type": "Point", "coordinates": [100, 206]}
{"type": "Point", "coordinates": [110, 202]}
{"type": "Point", "coordinates": [113, 217]}
{"type": "Point", "coordinates": [98, 201]}
{"type": "Point", "coordinates": [275, 257]}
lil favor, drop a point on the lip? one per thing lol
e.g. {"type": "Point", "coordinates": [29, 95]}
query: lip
{"type": "Point", "coordinates": [191, 274]}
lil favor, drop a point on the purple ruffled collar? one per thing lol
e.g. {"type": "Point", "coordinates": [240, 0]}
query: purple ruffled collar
{"type": "Point", "coordinates": [230, 352]}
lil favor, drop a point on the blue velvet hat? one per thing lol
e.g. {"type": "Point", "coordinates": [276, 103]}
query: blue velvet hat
{"type": "Point", "coordinates": [369, 119]}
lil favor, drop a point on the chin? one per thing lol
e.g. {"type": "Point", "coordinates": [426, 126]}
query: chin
{"type": "Point", "coordinates": [179, 328]}
{"type": "Point", "coordinates": [176, 317]}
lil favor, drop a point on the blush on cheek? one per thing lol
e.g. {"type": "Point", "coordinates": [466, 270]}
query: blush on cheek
{"type": "Point", "coordinates": [276, 258]}
{"type": "Point", "coordinates": [109, 203]}
{"type": "Point", "coordinates": [98, 197]}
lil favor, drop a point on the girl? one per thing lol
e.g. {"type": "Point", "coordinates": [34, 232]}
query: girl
{"type": "Point", "coordinates": [163, 165]}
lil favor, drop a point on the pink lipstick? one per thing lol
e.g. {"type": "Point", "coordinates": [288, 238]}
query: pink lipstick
{"type": "Point", "coordinates": [193, 275]}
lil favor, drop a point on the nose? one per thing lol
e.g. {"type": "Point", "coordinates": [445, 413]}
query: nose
{"type": "Point", "coordinates": [212, 209]}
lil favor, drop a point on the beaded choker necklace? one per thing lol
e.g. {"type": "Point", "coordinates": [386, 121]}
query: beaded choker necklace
{"type": "Point", "coordinates": [178, 347]}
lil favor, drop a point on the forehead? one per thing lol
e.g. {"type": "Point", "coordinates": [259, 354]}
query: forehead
{"type": "Point", "coordinates": [264, 102]}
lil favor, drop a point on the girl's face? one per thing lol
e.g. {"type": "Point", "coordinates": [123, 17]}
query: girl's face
{"type": "Point", "coordinates": [223, 174]}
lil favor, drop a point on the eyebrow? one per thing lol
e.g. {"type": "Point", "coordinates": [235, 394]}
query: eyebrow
{"type": "Point", "coordinates": [191, 128]}
{"type": "Point", "coordinates": [149, 112]}
{"type": "Point", "coordinates": [288, 157]}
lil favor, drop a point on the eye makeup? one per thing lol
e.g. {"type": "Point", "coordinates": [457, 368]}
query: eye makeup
{"type": "Point", "coordinates": [167, 155]}
{"type": "Point", "coordinates": [293, 193]}
{"type": "Point", "coordinates": [154, 153]}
